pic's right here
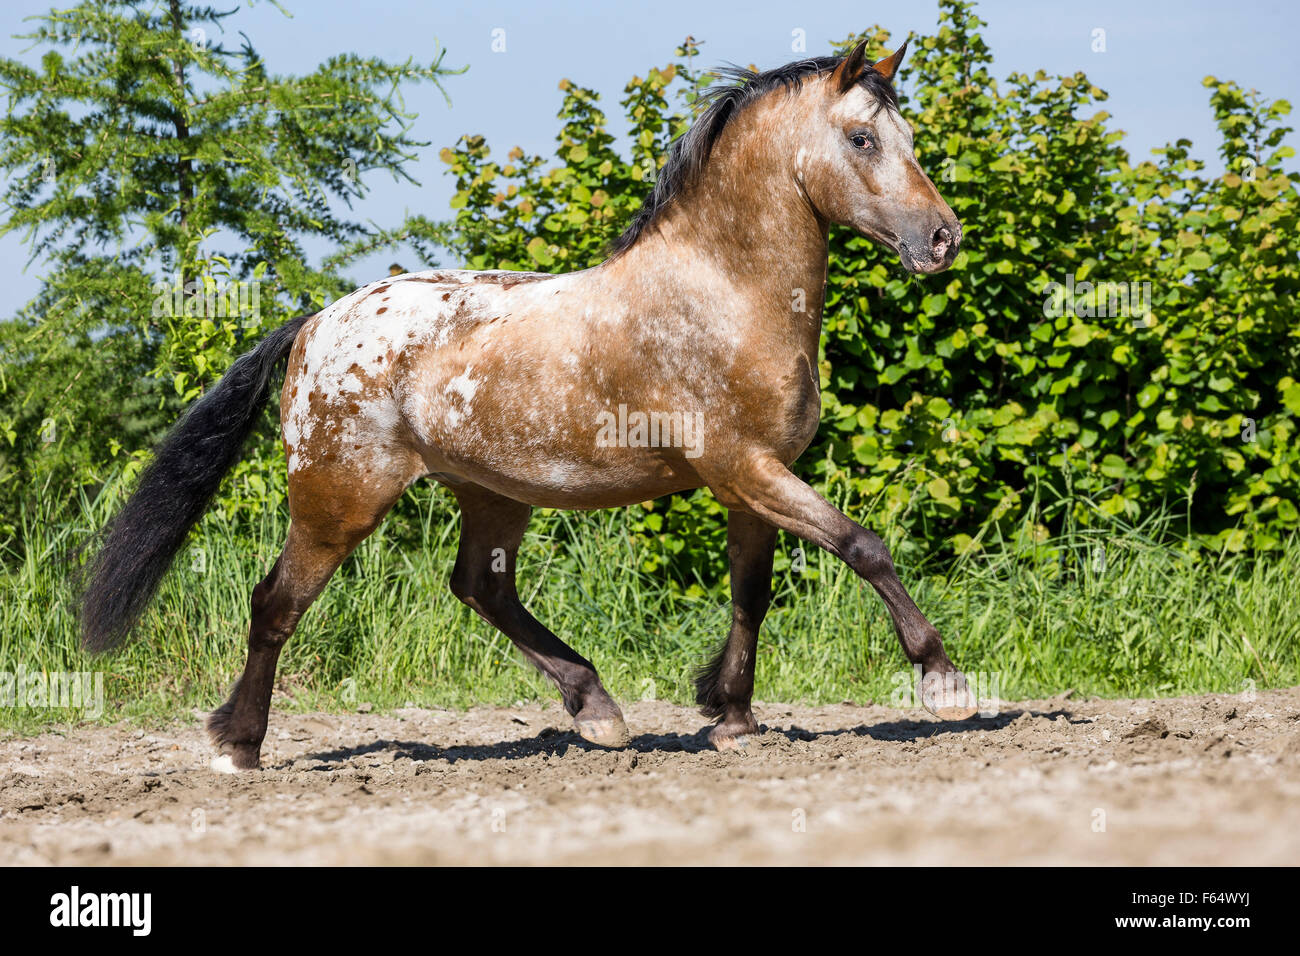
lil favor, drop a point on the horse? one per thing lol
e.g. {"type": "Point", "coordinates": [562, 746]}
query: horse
{"type": "Point", "coordinates": [513, 390]}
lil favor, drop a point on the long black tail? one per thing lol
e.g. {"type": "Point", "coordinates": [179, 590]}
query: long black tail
{"type": "Point", "coordinates": [174, 492]}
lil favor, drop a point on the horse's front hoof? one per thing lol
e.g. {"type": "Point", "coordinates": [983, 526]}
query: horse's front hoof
{"type": "Point", "coordinates": [603, 731]}
{"type": "Point", "coordinates": [948, 696]}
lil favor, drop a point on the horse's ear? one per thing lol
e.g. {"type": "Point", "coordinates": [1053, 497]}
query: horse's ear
{"type": "Point", "coordinates": [889, 65]}
{"type": "Point", "coordinates": [851, 68]}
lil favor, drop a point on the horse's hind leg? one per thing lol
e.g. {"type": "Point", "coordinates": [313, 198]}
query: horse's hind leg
{"type": "Point", "coordinates": [331, 513]}
{"type": "Point", "coordinates": [492, 526]}
{"type": "Point", "coordinates": [724, 688]}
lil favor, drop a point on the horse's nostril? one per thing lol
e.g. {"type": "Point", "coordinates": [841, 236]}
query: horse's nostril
{"type": "Point", "coordinates": [941, 240]}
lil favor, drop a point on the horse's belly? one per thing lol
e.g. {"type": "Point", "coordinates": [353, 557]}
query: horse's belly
{"type": "Point", "coordinates": [560, 475]}
{"type": "Point", "coordinates": [576, 492]}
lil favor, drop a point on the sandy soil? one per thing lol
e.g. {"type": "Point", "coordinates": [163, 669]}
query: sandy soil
{"type": "Point", "coordinates": [1202, 780]}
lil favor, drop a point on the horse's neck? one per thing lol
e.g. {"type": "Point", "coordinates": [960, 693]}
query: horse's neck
{"type": "Point", "coordinates": [751, 242]}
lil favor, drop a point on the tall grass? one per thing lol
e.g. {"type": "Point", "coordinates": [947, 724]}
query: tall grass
{"type": "Point", "coordinates": [1115, 611]}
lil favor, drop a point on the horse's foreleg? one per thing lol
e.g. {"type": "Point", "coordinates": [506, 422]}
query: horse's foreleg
{"type": "Point", "coordinates": [724, 688]}
{"type": "Point", "coordinates": [769, 490]}
{"type": "Point", "coordinates": [492, 526]}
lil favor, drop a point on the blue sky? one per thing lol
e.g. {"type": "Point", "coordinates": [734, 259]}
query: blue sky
{"type": "Point", "coordinates": [1156, 56]}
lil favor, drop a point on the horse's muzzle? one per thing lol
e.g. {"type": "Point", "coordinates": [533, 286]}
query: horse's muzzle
{"type": "Point", "coordinates": [932, 253]}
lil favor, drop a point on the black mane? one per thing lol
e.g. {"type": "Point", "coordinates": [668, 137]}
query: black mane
{"type": "Point", "coordinates": [691, 150]}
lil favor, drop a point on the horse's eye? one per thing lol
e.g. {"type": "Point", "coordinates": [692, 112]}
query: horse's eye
{"type": "Point", "coordinates": [862, 141]}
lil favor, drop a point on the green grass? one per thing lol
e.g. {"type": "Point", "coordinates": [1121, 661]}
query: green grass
{"type": "Point", "coordinates": [1153, 621]}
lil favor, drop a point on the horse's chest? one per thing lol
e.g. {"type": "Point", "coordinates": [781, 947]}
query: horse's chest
{"type": "Point", "coordinates": [785, 412]}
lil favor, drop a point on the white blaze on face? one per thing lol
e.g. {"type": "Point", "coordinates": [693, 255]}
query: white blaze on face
{"type": "Point", "coordinates": [894, 139]}
{"type": "Point", "coordinates": [892, 169]}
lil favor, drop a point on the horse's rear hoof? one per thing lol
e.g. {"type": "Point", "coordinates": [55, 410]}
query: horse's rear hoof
{"type": "Point", "coordinates": [948, 696]}
{"type": "Point", "coordinates": [733, 735]}
{"type": "Point", "coordinates": [235, 762]}
{"type": "Point", "coordinates": [729, 741]}
{"type": "Point", "coordinates": [604, 731]}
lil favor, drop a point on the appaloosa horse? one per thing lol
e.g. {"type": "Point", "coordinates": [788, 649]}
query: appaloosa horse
{"type": "Point", "coordinates": [519, 389]}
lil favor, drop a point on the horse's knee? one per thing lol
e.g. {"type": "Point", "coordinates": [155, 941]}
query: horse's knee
{"type": "Point", "coordinates": [867, 555]}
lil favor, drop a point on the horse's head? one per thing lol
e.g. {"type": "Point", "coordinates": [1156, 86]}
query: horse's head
{"type": "Point", "coordinates": [858, 169]}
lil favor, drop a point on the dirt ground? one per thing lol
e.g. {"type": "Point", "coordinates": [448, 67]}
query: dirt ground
{"type": "Point", "coordinates": [1200, 780]}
